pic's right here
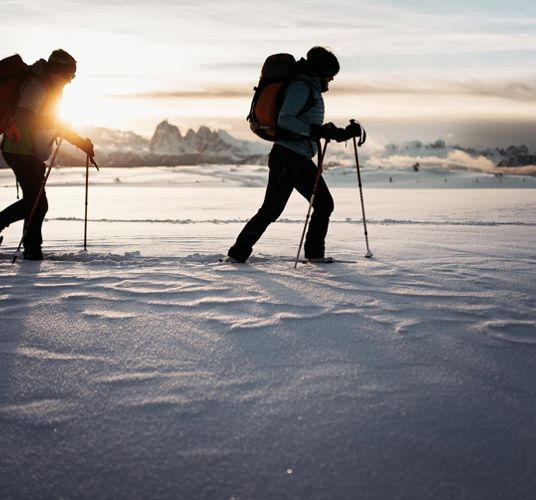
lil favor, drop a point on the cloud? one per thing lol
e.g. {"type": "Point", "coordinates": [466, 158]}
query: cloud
{"type": "Point", "coordinates": [523, 91]}
{"type": "Point", "coordinates": [177, 53]}
{"type": "Point", "coordinates": [461, 159]}
{"type": "Point", "coordinates": [520, 91]}
{"type": "Point", "coordinates": [207, 93]}
{"type": "Point", "coordinates": [454, 160]}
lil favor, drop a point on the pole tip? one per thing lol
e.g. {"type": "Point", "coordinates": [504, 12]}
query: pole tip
{"type": "Point", "coordinates": [369, 254]}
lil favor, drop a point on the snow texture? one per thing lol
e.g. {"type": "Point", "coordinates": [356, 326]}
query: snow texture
{"type": "Point", "coordinates": [144, 368]}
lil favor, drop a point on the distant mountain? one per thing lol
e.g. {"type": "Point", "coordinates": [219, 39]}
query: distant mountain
{"type": "Point", "coordinates": [517, 156]}
{"type": "Point", "coordinates": [441, 149]}
{"type": "Point", "coordinates": [109, 140]}
{"type": "Point", "coordinates": [448, 156]}
{"type": "Point", "coordinates": [169, 147]}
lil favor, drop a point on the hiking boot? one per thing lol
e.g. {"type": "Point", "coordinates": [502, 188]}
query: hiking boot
{"type": "Point", "coordinates": [238, 254]}
{"type": "Point", "coordinates": [34, 254]}
{"type": "Point", "coordinates": [321, 260]}
{"type": "Point", "coordinates": [232, 260]}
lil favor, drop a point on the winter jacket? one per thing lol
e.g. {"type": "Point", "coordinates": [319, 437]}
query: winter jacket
{"type": "Point", "coordinates": [35, 96]}
{"type": "Point", "coordinates": [305, 89]}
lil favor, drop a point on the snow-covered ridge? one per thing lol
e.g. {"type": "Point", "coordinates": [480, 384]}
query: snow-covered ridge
{"type": "Point", "coordinates": [438, 155]}
{"type": "Point", "coordinates": [169, 147]}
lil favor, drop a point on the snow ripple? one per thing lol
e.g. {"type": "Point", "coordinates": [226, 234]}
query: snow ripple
{"type": "Point", "coordinates": [40, 412]}
{"type": "Point", "coordinates": [45, 354]}
{"type": "Point", "coordinates": [517, 332]}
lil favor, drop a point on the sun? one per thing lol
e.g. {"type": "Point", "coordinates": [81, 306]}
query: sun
{"type": "Point", "coordinates": [78, 105]}
{"type": "Point", "coordinates": [90, 101]}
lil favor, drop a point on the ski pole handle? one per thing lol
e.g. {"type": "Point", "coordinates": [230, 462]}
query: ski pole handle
{"type": "Point", "coordinates": [362, 136]}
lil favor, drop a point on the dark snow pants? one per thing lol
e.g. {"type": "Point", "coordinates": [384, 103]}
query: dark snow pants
{"type": "Point", "coordinates": [288, 171]}
{"type": "Point", "coordinates": [30, 173]}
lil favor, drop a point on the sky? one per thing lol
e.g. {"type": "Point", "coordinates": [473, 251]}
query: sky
{"type": "Point", "coordinates": [463, 71]}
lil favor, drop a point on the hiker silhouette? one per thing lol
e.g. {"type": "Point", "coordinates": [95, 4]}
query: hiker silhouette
{"type": "Point", "coordinates": [300, 125]}
{"type": "Point", "coordinates": [29, 136]}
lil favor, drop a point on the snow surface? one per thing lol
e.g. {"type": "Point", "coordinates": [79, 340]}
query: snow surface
{"type": "Point", "coordinates": [143, 368]}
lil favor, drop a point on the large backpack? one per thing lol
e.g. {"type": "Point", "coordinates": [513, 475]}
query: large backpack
{"type": "Point", "coordinates": [13, 71]}
{"type": "Point", "coordinates": [278, 71]}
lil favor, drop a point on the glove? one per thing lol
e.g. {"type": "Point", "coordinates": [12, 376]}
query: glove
{"type": "Point", "coordinates": [353, 130]}
{"type": "Point", "coordinates": [87, 147]}
{"type": "Point", "coordinates": [326, 131]}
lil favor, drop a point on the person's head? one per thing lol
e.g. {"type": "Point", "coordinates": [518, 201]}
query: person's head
{"type": "Point", "coordinates": [323, 63]}
{"type": "Point", "coordinates": [61, 67]}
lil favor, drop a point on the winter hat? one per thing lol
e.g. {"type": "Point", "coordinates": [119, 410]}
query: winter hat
{"type": "Point", "coordinates": [61, 62]}
{"type": "Point", "coordinates": [322, 62]}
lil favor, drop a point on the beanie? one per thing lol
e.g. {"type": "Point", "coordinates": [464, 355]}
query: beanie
{"type": "Point", "coordinates": [322, 62]}
{"type": "Point", "coordinates": [61, 62]}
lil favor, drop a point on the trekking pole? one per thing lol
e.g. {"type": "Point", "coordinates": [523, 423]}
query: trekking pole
{"type": "Point", "coordinates": [369, 253]}
{"type": "Point", "coordinates": [321, 154]}
{"type": "Point", "coordinates": [37, 200]}
{"type": "Point", "coordinates": [94, 163]}
{"type": "Point", "coordinates": [92, 160]}
{"type": "Point", "coordinates": [85, 213]}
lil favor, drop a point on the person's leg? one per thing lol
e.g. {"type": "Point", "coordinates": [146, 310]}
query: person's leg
{"type": "Point", "coordinates": [323, 206]}
{"type": "Point", "coordinates": [17, 210]}
{"type": "Point", "coordinates": [30, 173]}
{"type": "Point", "coordinates": [278, 191]}
{"type": "Point", "coordinates": [12, 213]}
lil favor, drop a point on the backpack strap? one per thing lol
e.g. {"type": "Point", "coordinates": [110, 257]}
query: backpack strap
{"type": "Point", "coordinates": [311, 101]}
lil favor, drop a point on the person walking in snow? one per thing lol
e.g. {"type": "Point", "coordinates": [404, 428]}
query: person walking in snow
{"type": "Point", "coordinates": [290, 160]}
{"type": "Point", "coordinates": [29, 143]}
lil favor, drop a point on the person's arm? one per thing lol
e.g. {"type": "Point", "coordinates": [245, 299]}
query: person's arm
{"type": "Point", "coordinates": [27, 118]}
{"type": "Point", "coordinates": [296, 97]}
{"type": "Point", "coordinates": [71, 136]}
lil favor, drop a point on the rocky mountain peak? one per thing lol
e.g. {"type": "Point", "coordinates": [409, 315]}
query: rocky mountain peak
{"type": "Point", "coordinates": [205, 133]}
{"type": "Point", "coordinates": [166, 137]}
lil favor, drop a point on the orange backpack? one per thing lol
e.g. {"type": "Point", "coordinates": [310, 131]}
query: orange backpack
{"type": "Point", "coordinates": [278, 71]}
{"type": "Point", "coordinates": [13, 72]}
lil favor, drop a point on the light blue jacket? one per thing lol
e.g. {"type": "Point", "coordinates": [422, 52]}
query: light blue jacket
{"type": "Point", "coordinates": [290, 118]}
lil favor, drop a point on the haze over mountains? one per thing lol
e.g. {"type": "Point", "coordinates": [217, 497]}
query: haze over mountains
{"type": "Point", "coordinates": [169, 147]}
